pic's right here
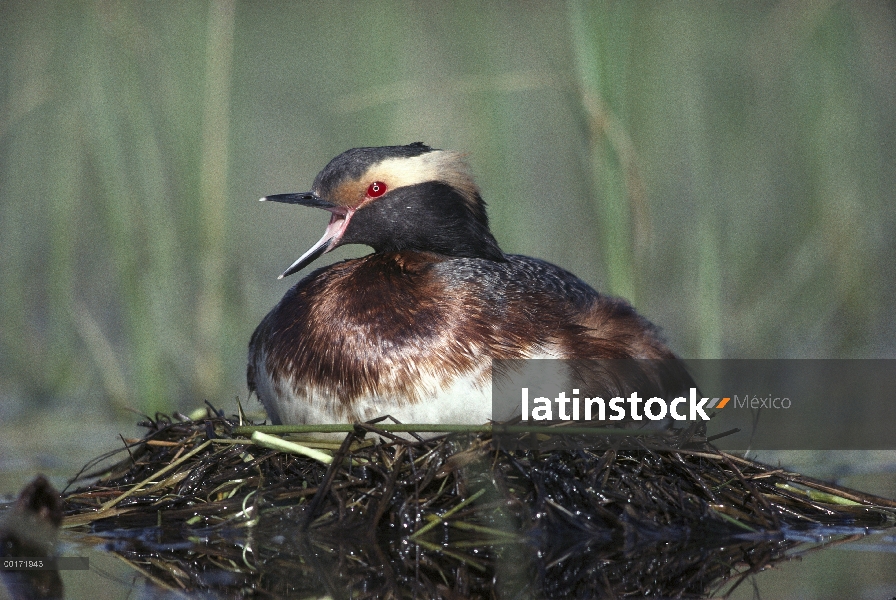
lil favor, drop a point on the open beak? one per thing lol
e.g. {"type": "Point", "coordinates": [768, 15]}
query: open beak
{"type": "Point", "coordinates": [340, 216]}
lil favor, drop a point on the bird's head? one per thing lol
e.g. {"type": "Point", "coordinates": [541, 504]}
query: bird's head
{"type": "Point", "coordinates": [395, 198]}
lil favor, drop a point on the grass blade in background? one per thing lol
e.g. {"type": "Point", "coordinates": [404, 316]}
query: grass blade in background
{"type": "Point", "coordinates": [213, 198]}
{"type": "Point", "coordinates": [601, 43]}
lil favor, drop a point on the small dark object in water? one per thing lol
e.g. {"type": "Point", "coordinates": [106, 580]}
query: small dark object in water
{"type": "Point", "coordinates": [29, 530]}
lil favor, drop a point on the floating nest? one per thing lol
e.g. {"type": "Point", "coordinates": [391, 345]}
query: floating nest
{"type": "Point", "coordinates": [213, 505]}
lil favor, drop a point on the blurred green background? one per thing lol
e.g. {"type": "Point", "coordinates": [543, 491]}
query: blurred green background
{"type": "Point", "coordinates": [729, 167]}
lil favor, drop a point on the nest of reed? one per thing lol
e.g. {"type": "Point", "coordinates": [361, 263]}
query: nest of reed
{"type": "Point", "coordinates": [203, 505]}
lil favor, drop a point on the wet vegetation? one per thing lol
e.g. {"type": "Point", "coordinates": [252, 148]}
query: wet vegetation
{"type": "Point", "coordinates": [198, 505]}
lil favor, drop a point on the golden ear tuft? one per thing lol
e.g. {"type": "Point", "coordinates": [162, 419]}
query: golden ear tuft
{"type": "Point", "coordinates": [439, 165]}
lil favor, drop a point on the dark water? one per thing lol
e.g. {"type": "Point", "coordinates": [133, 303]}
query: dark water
{"type": "Point", "coordinates": [150, 564]}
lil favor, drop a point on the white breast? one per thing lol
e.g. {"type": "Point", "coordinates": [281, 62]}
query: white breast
{"type": "Point", "coordinates": [465, 399]}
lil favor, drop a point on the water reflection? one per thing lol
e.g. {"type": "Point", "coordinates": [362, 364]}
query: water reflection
{"type": "Point", "coordinates": [276, 558]}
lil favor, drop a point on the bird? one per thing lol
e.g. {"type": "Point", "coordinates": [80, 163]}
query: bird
{"type": "Point", "coordinates": [411, 330]}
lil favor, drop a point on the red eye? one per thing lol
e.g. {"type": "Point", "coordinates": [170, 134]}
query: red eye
{"type": "Point", "coordinates": [376, 189]}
